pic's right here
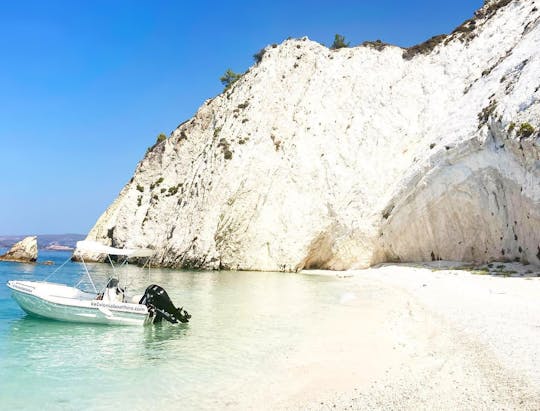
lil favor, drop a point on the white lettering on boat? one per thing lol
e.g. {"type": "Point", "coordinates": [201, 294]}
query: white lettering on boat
{"type": "Point", "coordinates": [135, 308]}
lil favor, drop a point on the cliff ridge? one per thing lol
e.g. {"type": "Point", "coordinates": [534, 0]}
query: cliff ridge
{"type": "Point", "coordinates": [346, 158]}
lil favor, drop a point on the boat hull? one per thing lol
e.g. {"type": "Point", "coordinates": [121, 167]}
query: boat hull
{"type": "Point", "coordinates": [64, 303]}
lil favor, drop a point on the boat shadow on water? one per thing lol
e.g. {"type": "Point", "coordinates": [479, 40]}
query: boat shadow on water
{"type": "Point", "coordinates": [40, 329]}
{"type": "Point", "coordinates": [161, 338]}
{"type": "Point", "coordinates": [56, 343]}
{"type": "Point", "coordinates": [35, 330]}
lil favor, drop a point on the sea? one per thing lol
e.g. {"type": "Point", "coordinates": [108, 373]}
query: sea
{"type": "Point", "coordinates": [242, 324]}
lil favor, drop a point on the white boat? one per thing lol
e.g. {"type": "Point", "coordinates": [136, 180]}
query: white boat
{"type": "Point", "coordinates": [107, 306]}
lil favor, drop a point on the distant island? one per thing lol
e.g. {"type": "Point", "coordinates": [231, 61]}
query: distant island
{"type": "Point", "coordinates": [52, 242]}
{"type": "Point", "coordinates": [58, 247]}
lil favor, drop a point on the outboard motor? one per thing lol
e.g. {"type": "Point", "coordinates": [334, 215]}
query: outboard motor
{"type": "Point", "coordinates": [160, 306]}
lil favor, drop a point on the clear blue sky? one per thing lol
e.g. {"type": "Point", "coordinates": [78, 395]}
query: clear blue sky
{"type": "Point", "coordinates": [86, 86]}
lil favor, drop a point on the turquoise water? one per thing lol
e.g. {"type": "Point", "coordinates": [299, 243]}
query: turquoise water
{"type": "Point", "coordinates": [241, 323]}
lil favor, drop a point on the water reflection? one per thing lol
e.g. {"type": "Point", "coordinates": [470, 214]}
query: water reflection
{"type": "Point", "coordinates": [160, 340]}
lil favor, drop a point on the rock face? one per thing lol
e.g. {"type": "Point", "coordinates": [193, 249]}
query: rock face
{"type": "Point", "coordinates": [345, 158]}
{"type": "Point", "coordinates": [25, 251]}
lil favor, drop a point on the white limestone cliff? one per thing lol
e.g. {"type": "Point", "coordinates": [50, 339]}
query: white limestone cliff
{"type": "Point", "coordinates": [345, 158]}
{"type": "Point", "coordinates": [25, 251]}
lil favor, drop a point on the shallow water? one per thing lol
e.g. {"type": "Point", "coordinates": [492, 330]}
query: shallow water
{"type": "Point", "coordinates": [242, 322]}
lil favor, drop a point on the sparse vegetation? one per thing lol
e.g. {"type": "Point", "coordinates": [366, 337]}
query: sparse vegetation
{"type": "Point", "coordinates": [378, 45]}
{"type": "Point", "coordinates": [464, 32]}
{"type": "Point", "coordinates": [339, 42]}
{"type": "Point", "coordinates": [140, 188]}
{"type": "Point", "coordinates": [229, 78]}
{"type": "Point", "coordinates": [424, 48]}
{"type": "Point", "coordinates": [156, 183]}
{"type": "Point", "coordinates": [480, 271]}
{"type": "Point", "coordinates": [486, 113]}
{"type": "Point", "coordinates": [172, 191]}
{"type": "Point", "coordinates": [161, 137]}
{"type": "Point", "coordinates": [511, 127]}
{"type": "Point", "coordinates": [224, 144]}
{"type": "Point", "coordinates": [525, 130]}
{"type": "Point", "coordinates": [494, 6]}
{"type": "Point", "coordinates": [259, 55]}
{"type": "Point", "coordinates": [466, 27]}
{"type": "Point", "coordinates": [489, 269]}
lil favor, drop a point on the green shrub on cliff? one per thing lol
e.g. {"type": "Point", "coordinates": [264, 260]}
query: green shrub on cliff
{"type": "Point", "coordinates": [339, 42]}
{"type": "Point", "coordinates": [259, 55]}
{"type": "Point", "coordinates": [161, 137]}
{"type": "Point", "coordinates": [525, 130]}
{"type": "Point", "coordinates": [229, 78]}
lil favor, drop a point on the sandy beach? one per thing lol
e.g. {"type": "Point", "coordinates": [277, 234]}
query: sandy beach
{"type": "Point", "coordinates": [437, 338]}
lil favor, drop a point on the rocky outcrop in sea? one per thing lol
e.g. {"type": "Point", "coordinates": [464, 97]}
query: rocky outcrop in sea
{"type": "Point", "coordinates": [338, 159]}
{"type": "Point", "coordinates": [25, 251]}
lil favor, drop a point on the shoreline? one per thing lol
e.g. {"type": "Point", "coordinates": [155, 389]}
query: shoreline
{"type": "Point", "coordinates": [495, 268]}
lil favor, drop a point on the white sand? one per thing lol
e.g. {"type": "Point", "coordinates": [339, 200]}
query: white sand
{"type": "Point", "coordinates": [434, 340]}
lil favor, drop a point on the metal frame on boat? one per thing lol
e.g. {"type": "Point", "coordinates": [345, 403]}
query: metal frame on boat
{"type": "Point", "coordinates": [107, 306]}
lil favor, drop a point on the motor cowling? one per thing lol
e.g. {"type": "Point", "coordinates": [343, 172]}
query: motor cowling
{"type": "Point", "coordinates": [161, 307]}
